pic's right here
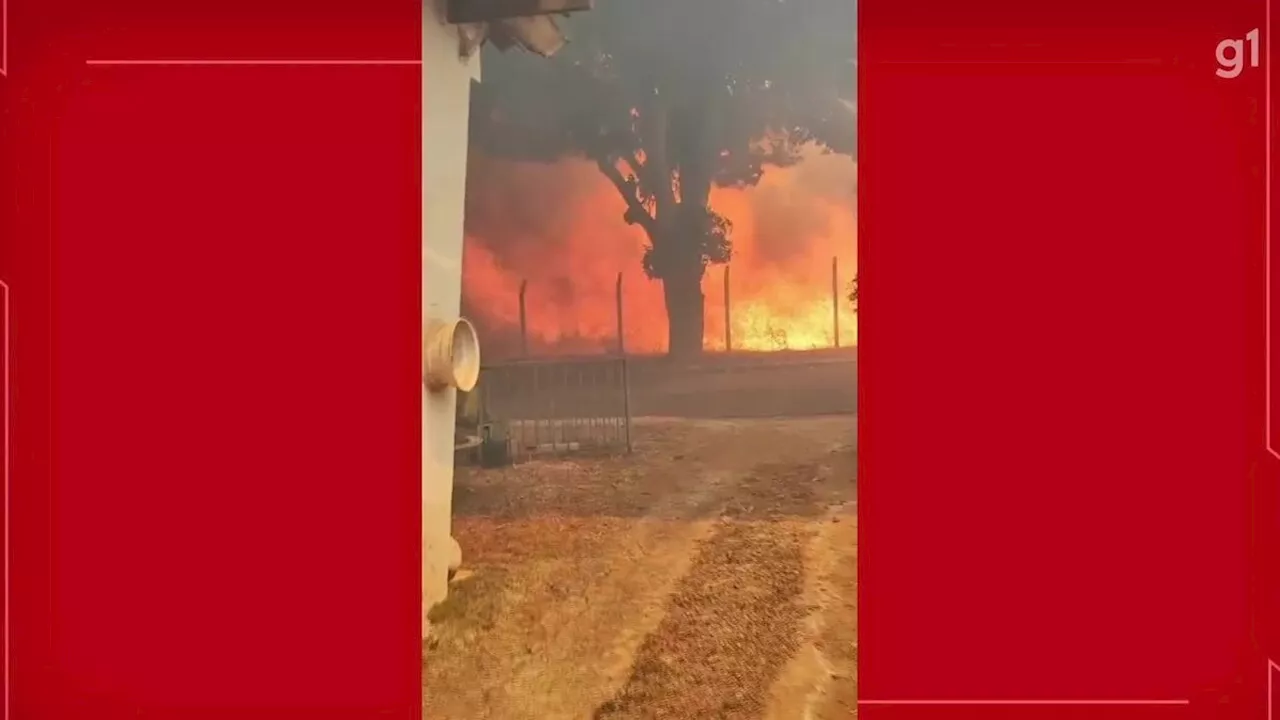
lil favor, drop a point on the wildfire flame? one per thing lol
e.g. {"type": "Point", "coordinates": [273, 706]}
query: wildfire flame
{"type": "Point", "coordinates": [559, 228]}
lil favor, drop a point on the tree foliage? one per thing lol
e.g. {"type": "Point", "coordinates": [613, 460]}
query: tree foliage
{"type": "Point", "coordinates": [740, 84]}
{"type": "Point", "coordinates": [670, 97]}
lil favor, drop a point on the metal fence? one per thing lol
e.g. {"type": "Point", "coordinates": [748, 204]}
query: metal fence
{"type": "Point", "coordinates": [844, 297]}
{"type": "Point", "coordinates": [554, 406]}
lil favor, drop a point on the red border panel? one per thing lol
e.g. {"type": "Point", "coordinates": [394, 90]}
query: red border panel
{"type": "Point", "coordinates": [1064, 485]}
{"type": "Point", "coordinates": [215, 277]}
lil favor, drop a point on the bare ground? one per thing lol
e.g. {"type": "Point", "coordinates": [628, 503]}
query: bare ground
{"type": "Point", "coordinates": [711, 574]}
{"type": "Point", "coordinates": [764, 385]}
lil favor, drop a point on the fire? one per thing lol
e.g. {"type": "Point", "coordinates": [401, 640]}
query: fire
{"type": "Point", "coordinates": [558, 229]}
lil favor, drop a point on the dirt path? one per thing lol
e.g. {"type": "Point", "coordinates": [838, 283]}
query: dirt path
{"type": "Point", "coordinates": [710, 574]}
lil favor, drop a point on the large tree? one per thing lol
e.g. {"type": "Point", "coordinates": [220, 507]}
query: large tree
{"type": "Point", "coordinates": [667, 98]}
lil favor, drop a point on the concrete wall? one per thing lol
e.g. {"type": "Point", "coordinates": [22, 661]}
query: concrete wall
{"type": "Point", "coordinates": [446, 94]}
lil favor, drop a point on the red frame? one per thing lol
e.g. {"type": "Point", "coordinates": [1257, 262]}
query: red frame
{"type": "Point", "coordinates": [1067, 505]}
{"type": "Point", "coordinates": [1054, 504]}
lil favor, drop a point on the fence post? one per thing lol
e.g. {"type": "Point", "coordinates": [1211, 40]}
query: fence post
{"type": "Point", "coordinates": [622, 346]}
{"type": "Point", "coordinates": [835, 301]}
{"type": "Point", "coordinates": [524, 328]}
{"type": "Point", "coordinates": [728, 328]}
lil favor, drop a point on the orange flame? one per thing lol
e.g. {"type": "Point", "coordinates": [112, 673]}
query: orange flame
{"type": "Point", "coordinates": [559, 228]}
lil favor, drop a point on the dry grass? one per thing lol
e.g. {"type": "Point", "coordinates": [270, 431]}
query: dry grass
{"type": "Point", "coordinates": [731, 625]}
{"type": "Point", "coordinates": [684, 581]}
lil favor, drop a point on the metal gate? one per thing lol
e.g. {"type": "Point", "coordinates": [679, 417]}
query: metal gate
{"type": "Point", "coordinates": [553, 406]}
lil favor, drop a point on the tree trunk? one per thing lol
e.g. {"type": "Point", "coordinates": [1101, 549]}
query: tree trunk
{"type": "Point", "coordinates": [674, 229]}
{"type": "Point", "coordinates": [682, 291]}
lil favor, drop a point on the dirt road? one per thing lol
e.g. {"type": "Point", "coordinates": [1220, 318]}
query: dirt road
{"type": "Point", "coordinates": [763, 385]}
{"type": "Point", "coordinates": [711, 574]}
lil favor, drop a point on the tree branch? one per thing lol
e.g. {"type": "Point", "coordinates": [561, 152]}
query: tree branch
{"type": "Point", "coordinates": [633, 163]}
{"type": "Point", "coordinates": [649, 185]}
{"type": "Point", "coordinates": [654, 119]}
{"type": "Point", "coordinates": [637, 213]}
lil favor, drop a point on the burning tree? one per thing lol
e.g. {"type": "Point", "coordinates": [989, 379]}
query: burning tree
{"type": "Point", "coordinates": [667, 98]}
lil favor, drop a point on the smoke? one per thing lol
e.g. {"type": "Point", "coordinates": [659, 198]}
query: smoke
{"type": "Point", "coordinates": [794, 208]}
{"type": "Point", "coordinates": [558, 226]}
{"type": "Point", "coordinates": [728, 74]}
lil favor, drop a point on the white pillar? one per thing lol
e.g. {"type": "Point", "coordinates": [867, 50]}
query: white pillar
{"type": "Point", "coordinates": [446, 95]}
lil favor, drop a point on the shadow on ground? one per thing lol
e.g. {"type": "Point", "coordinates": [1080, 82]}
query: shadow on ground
{"type": "Point", "coordinates": [708, 574]}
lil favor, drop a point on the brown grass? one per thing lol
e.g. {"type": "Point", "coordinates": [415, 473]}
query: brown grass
{"type": "Point", "coordinates": [729, 628]}
{"type": "Point", "coordinates": [684, 581]}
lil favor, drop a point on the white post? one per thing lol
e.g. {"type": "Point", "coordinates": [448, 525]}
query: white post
{"type": "Point", "coordinates": [446, 95]}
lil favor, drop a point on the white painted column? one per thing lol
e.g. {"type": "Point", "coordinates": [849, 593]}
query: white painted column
{"type": "Point", "coordinates": [446, 94]}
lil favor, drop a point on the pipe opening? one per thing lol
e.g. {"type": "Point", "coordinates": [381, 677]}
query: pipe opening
{"type": "Point", "coordinates": [451, 355]}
